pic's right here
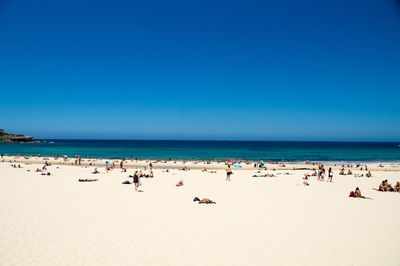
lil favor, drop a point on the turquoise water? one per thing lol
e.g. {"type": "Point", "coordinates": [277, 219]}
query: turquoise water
{"type": "Point", "coordinates": [250, 150]}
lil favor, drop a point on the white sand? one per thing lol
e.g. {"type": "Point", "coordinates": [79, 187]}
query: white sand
{"type": "Point", "coordinates": [55, 220]}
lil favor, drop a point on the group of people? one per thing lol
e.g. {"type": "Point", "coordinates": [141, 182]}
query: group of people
{"type": "Point", "coordinates": [320, 175]}
{"type": "Point", "coordinates": [386, 187]}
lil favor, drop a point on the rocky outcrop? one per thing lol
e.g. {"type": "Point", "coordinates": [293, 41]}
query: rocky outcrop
{"type": "Point", "coordinates": [16, 138]}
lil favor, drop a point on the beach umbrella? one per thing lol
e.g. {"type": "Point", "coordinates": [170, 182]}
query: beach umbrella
{"type": "Point", "coordinates": [231, 160]}
{"type": "Point", "coordinates": [262, 161]}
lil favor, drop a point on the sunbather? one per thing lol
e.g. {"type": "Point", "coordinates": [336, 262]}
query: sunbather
{"type": "Point", "coordinates": [204, 201]}
{"type": "Point", "coordinates": [397, 186]}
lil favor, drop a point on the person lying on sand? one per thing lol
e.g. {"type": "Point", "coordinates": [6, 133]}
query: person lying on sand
{"type": "Point", "coordinates": [48, 173]}
{"type": "Point", "coordinates": [204, 201]}
{"type": "Point", "coordinates": [88, 180]}
{"type": "Point", "coordinates": [180, 183]}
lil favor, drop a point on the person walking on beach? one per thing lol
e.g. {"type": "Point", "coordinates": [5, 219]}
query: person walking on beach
{"type": "Point", "coordinates": [330, 175]}
{"type": "Point", "coordinates": [136, 181]}
{"type": "Point", "coordinates": [319, 172]}
{"type": "Point", "coordinates": [228, 173]}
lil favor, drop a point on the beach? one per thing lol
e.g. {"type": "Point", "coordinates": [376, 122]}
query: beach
{"type": "Point", "coordinates": [56, 220]}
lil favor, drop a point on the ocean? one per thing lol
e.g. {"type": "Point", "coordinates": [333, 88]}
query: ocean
{"type": "Point", "coordinates": [213, 150]}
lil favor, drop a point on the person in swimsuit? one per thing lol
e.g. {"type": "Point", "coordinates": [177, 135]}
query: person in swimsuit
{"type": "Point", "coordinates": [228, 173]}
{"type": "Point", "coordinates": [330, 175]}
{"type": "Point", "coordinates": [204, 201]}
{"type": "Point", "coordinates": [357, 193]}
{"type": "Point", "coordinates": [136, 181]}
{"type": "Point", "coordinates": [397, 186]}
{"type": "Point", "coordinates": [382, 186]}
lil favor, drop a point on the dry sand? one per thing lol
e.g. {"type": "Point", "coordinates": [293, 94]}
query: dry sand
{"type": "Point", "coordinates": [56, 220]}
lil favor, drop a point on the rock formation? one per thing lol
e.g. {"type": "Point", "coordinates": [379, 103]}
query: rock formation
{"type": "Point", "coordinates": [16, 138]}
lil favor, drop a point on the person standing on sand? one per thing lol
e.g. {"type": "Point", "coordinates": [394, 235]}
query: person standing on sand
{"type": "Point", "coordinates": [228, 173]}
{"type": "Point", "coordinates": [319, 172]}
{"type": "Point", "coordinates": [136, 181]}
{"type": "Point", "coordinates": [330, 175]}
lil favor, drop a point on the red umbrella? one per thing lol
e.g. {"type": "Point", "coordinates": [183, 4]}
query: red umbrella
{"type": "Point", "coordinates": [231, 160]}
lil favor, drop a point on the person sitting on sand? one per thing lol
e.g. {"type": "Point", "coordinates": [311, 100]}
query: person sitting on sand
{"type": "Point", "coordinates": [389, 187]}
{"type": "Point", "coordinates": [180, 183]}
{"type": "Point", "coordinates": [38, 170]}
{"type": "Point", "coordinates": [314, 174]}
{"type": "Point", "coordinates": [305, 181]}
{"type": "Point", "coordinates": [382, 186]}
{"type": "Point", "coordinates": [349, 172]}
{"type": "Point", "coordinates": [357, 193]}
{"type": "Point", "coordinates": [397, 187]}
{"type": "Point", "coordinates": [95, 171]}
{"type": "Point", "coordinates": [342, 172]}
{"type": "Point", "coordinates": [204, 201]}
{"type": "Point", "coordinates": [368, 174]}
{"type": "Point", "coordinates": [204, 169]}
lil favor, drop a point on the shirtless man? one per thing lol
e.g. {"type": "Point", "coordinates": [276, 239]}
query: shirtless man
{"type": "Point", "coordinates": [357, 193]}
{"type": "Point", "coordinates": [204, 200]}
{"type": "Point", "coordinates": [397, 186]}
{"type": "Point", "coordinates": [382, 186]}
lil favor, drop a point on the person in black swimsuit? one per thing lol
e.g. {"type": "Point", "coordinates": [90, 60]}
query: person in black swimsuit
{"type": "Point", "coordinates": [136, 181]}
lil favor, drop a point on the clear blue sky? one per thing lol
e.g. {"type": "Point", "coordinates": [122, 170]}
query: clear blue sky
{"type": "Point", "coordinates": [246, 70]}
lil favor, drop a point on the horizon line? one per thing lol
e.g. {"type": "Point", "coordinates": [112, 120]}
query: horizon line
{"type": "Point", "coordinates": [221, 140]}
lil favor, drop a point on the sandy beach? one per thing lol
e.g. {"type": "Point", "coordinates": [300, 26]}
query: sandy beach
{"type": "Point", "coordinates": [56, 220]}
